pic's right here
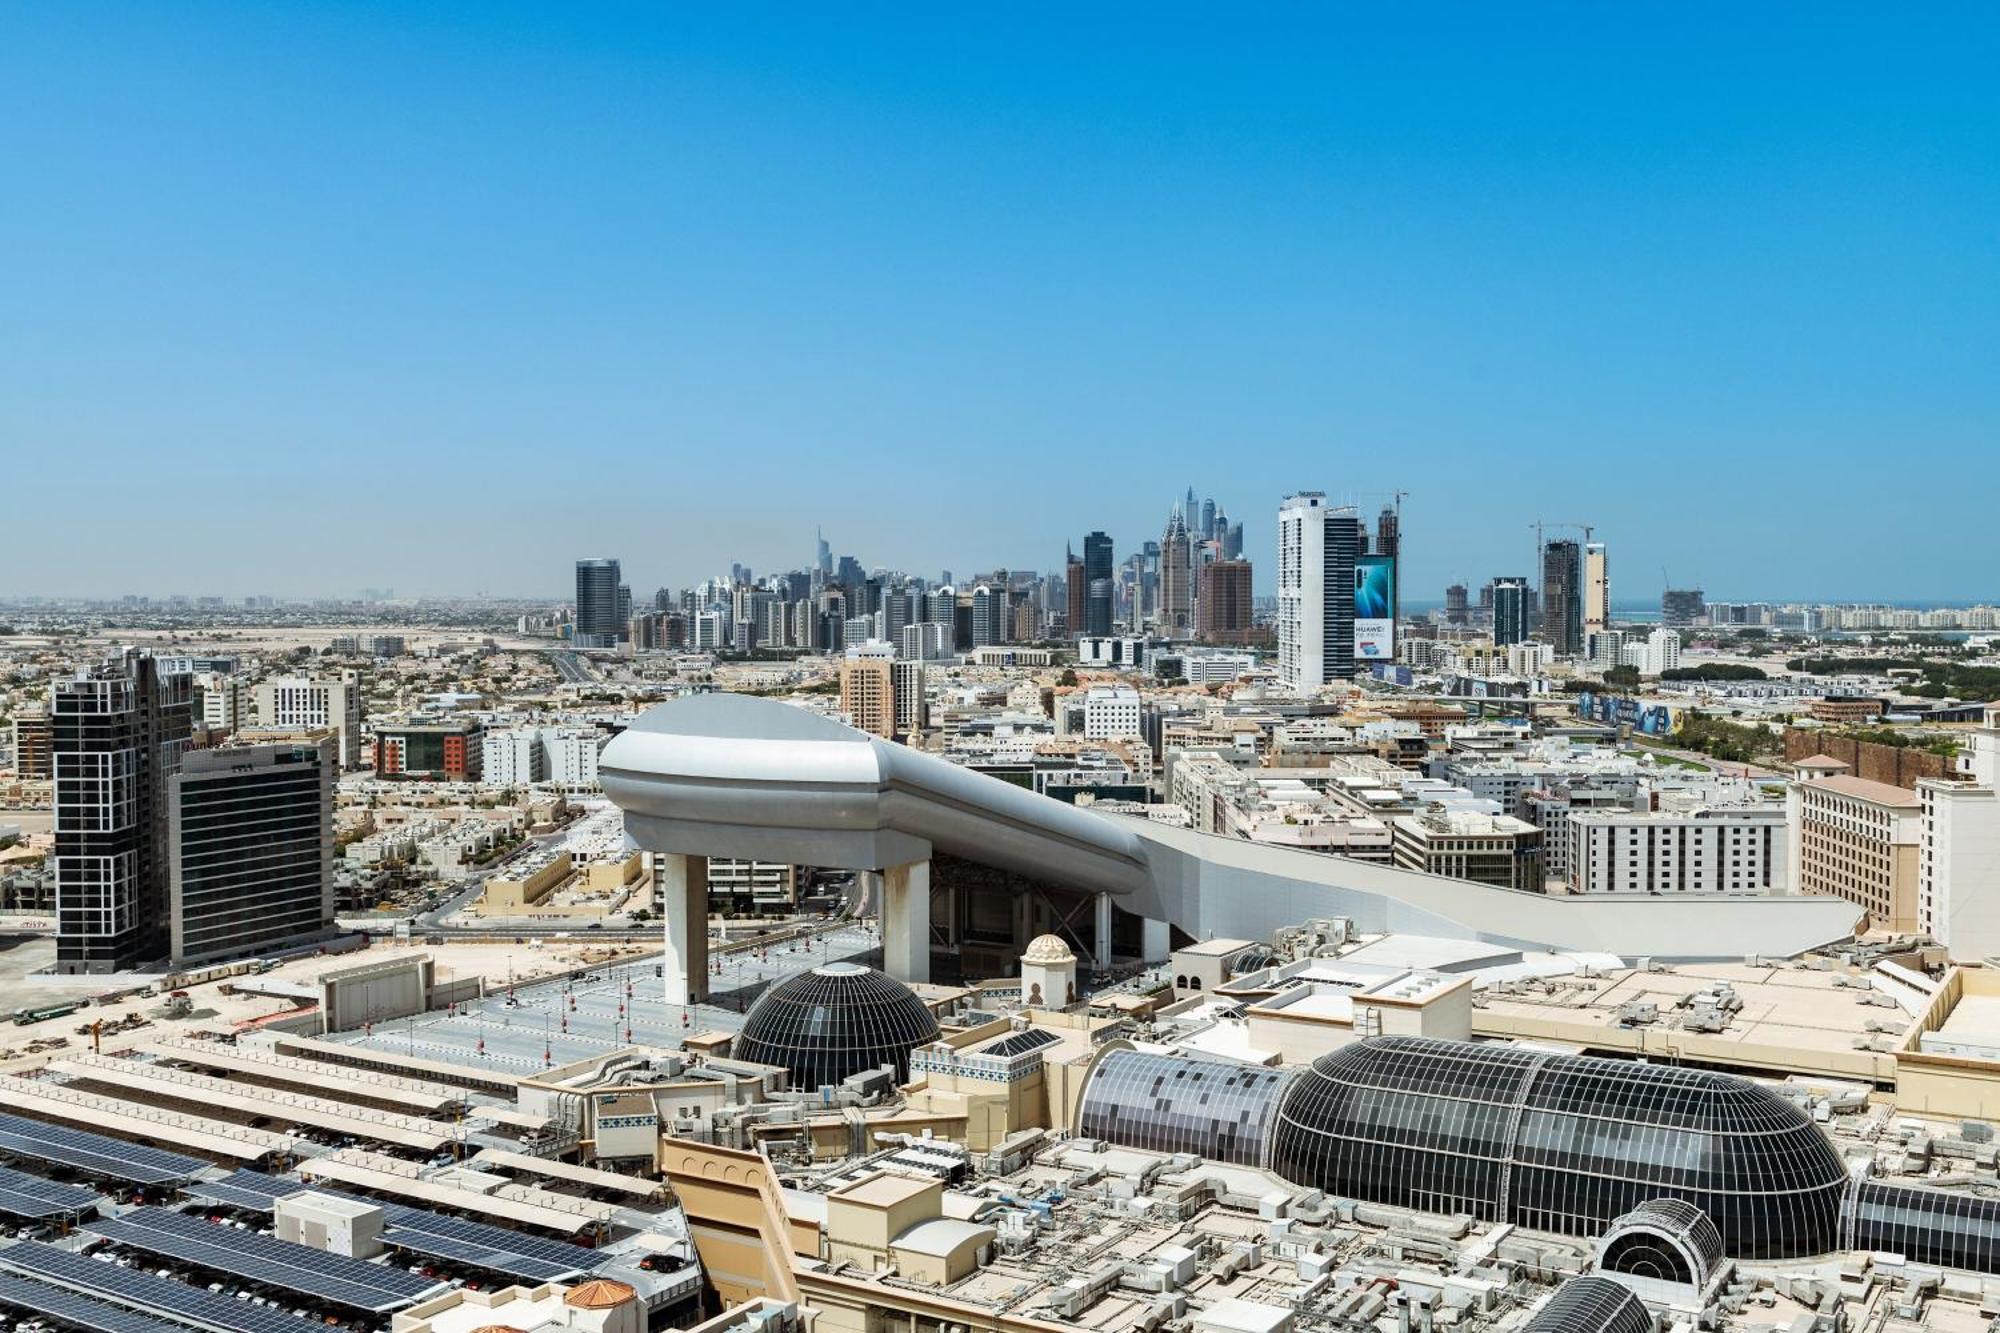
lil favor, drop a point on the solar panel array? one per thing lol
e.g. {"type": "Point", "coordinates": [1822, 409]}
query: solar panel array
{"type": "Point", "coordinates": [143, 1291]}
{"type": "Point", "coordinates": [265, 1260]}
{"type": "Point", "coordinates": [114, 1159]}
{"type": "Point", "coordinates": [246, 1189]}
{"type": "Point", "coordinates": [28, 1296]}
{"type": "Point", "coordinates": [484, 1246]}
{"type": "Point", "coordinates": [23, 1195]}
{"type": "Point", "coordinates": [421, 1231]}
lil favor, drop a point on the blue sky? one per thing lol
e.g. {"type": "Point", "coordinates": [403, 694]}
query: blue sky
{"type": "Point", "coordinates": [311, 297]}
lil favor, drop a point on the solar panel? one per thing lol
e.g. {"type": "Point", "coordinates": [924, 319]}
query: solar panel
{"type": "Point", "coordinates": [507, 1259]}
{"type": "Point", "coordinates": [101, 1156]}
{"type": "Point", "coordinates": [420, 1231]}
{"type": "Point", "coordinates": [245, 1189]}
{"type": "Point", "coordinates": [143, 1291]}
{"type": "Point", "coordinates": [20, 1293]}
{"type": "Point", "coordinates": [23, 1195]}
{"type": "Point", "coordinates": [573, 1258]}
{"type": "Point", "coordinates": [265, 1260]}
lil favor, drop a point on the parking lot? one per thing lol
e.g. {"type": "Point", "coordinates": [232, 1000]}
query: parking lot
{"type": "Point", "coordinates": [556, 1022]}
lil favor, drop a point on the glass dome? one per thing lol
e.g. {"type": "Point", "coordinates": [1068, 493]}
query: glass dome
{"type": "Point", "coordinates": [834, 1022]}
{"type": "Point", "coordinates": [1559, 1142]}
{"type": "Point", "coordinates": [1591, 1304]}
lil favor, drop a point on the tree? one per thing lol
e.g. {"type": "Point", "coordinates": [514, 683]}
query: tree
{"type": "Point", "coordinates": [1624, 676]}
{"type": "Point", "coordinates": [1068, 677]}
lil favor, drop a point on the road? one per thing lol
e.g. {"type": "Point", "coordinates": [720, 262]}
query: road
{"type": "Point", "coordinates": [571, 668]}
{"type": "Point", "coordinates": [1729, 769]}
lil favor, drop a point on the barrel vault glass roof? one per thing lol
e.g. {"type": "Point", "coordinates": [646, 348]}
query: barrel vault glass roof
{"type": "Point", "coordinates": [1170, 1103]}
{"type": "Point", "coordinates": [1591, 1304]}
{"type": "Point", "coordinates": [1559, 1142]}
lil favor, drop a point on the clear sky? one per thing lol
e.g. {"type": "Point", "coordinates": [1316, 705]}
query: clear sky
{"type": "Point", "coordinates": [301, 298]}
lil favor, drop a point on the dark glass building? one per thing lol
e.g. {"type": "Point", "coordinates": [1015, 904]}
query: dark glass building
{"type": "Point", "coordinates": [251, 829]}
{"type": "Point", "coordinates": [602, 605]}
{"type": "Point", "coordinates": [1562, 597]}
{"type": "Point", "coordinates": [834, 1022]}
{"type": "Point", "coordinates": [1510, 611]}
{"type": "Point", "coordinates": [1097, 585]}
{"type": "Point", "coordinates": [116, 737]}
{"type": "Point", "coordinates": [1559, 1142]}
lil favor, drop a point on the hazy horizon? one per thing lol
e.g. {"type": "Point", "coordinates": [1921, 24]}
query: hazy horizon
{"type": "Point", "coordinates": [442, 299]}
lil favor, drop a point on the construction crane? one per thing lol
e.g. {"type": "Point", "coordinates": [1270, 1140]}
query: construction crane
{"type": "Point", "coordinates": [1539, 524]}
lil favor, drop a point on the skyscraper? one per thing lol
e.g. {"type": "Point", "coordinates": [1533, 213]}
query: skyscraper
{"type": "Point", "coordinates": [1510, 611]}
{"type": "Point", "coordinates": [117, 737]}
{"type": "Point", "coordinates": [1562, 597]}
{"type": "Point", "coordinates": [1176, 579]}
{"type": "Point", "coordinates": [1317, 547]}
{"type": "Point", "coordinates": [823, 555]}
{"type": "Point", "coordinates": [1076, 593]}
{"type": "Point", "coordinates": [1682, 607]}
{"type": "Point", "coordinates": [1455, 610]}
{"type": "Point", "coordinates": [1207, 521]}
{"type": "Point", "coordinates": [599, 595]}
{"type": "Point", "coordinates": [1596, 589]}
{"type": "Point", "coordinates": [1097, 564]}
{"type": "Point", "coordinates": [1232, 542]}
{"type": "Point", "coordinates": [1222, 612]}
{"type": "Point", "coordinates": [990, 621]}
{"type": "Point", "coordinates": [1389, 542]}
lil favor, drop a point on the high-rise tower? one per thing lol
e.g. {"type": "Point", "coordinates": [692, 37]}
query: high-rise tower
{"type": "Point", "coordinates": [1562, 597]}
{"type": "Point", "coordinates": [1596, 589]}
{"type": "Point", "coordinates": [117, 736]}
{"type": "Point", "coordinates": [1176, 579]}
{"type": "Point", "coordinates": [1076, 589]}
{"type": "Point", "coordinates": [598, 602]}
{"type": "Point", "coordinates": [1389, 542]}
{"type": "Point", "coordinates": [1510, 610]}
{"type": "Point", "coordinates": [1317, 548]}
{"type": "Point", "coordinates": [1097, 565]}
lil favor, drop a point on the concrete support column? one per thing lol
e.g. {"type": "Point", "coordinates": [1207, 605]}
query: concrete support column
{"type": "Point", "coordinates": [906, 921]}
{"type": "Point", "coordinates": [1156, 940]}
{"type": "Point", "coordinates": [1101, 936]}
{"type": "Point", "coordinates": [680, 891]}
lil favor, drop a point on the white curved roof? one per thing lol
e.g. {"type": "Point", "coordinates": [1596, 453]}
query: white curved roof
{"type": "Point", "coordinates": [736, 775]}
{"type": "Point", "coordinates": [942, 1237]}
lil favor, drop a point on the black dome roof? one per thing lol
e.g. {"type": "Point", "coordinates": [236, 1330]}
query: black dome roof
{"type": "Point", "coordinates": [1591, 1304]}
{"type": "Point", "coordinates": [1559, 1142]}
{"type": "Point", "coordinates": [833, 1022]}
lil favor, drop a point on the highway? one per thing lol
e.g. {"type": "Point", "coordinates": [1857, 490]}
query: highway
{"type": "Point", "coordinates": [571, 668]}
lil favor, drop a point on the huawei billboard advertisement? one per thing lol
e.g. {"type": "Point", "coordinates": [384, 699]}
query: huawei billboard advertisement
{"type": "Point", "coordinates": [1375, 608]}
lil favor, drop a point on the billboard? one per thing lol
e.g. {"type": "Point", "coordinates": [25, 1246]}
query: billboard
{"type": "Point", "coordinates": [1643, 718]}
{"type": "Point", "coordinates": [1375, 608]}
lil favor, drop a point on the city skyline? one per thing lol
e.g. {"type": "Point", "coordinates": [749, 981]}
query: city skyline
{"type": "Point", "coordinates": [552, 266]}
